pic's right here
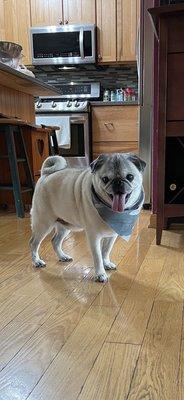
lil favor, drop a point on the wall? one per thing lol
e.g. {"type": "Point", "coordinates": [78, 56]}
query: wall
{"type": "Point", "coordinates": [110, 77]}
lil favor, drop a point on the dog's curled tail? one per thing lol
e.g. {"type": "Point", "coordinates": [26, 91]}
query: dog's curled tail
{"type": "Point", "coordinates": [53, 164]}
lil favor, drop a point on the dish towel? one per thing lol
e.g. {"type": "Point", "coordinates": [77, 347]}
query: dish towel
{"type": "Point", "coordinates": [63, 135]}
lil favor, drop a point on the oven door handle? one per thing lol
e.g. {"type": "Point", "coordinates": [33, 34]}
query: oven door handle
{"type": "Point", "coordinates": [81, 42]}
{"type": "Point", "coordinates": [78, 120]}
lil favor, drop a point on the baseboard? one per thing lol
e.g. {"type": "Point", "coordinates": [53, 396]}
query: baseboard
{"type": "Point", "coordinates": [172, 225]}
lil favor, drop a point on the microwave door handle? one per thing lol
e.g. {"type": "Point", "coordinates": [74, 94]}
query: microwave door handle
{"type": "Point", "coordinates": [81, 42]}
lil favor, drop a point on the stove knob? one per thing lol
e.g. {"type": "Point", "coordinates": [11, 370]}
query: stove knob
{"type": "Point", "coordinates": [77, 104]}
{"type": "Point", "coordinates": [69, 103]}
{"type": "Point", "coordinates": [39, 104]}
{"type": "Point", "coordinates": [54, 104]}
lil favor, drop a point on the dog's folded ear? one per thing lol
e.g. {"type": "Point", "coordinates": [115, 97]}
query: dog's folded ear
{"type": "Point", "coordinates": [137, 161]}
{"type": "Point", "coordinates": [97, 164]}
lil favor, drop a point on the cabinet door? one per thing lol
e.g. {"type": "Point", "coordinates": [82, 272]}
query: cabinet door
{"type": "Point", "coordinates": [46, 12]}
{"type": "Point", "coordinates": [128, 12]}
{"type": "Point", "coordinates": [17, 24]}
{"type": "Point", "coordinates": [2, 31]}
{"type": "Point", "coordinates": [79, 11]}
{"type": "Point", "coordinates": [115, 123]}
{"type": "Point", "coordinates": [114, 129]}
{"type": "Point", "coordinates": [106, 23]}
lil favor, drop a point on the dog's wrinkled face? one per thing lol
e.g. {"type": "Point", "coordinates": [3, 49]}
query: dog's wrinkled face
{"type": "Point", "coordinates": [116, 177]}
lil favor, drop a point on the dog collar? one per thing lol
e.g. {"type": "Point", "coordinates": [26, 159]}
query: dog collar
{"type": "Point", "coordinates": [122, 223]}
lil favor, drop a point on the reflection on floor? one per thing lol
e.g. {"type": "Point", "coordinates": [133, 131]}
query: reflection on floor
{"type": "Point", "coordinates": [65, 337]}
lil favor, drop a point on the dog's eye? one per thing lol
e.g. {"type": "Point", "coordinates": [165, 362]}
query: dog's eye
{"type": "Point", "coordinates": [105, 179]}
{"type": "Point", "coordinates": [130, 177]}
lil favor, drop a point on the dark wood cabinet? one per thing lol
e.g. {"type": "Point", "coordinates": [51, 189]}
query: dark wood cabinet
{"type": "Point", "coordinates": [169, 147]}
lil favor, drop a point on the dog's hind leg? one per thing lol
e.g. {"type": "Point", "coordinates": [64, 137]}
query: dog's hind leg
{"type": "Point", "coordinates": [39, 233]}
{"type": "Point", "coordinates": [57, 242]}
{"type": "Point", "coordinates": [107, 246]}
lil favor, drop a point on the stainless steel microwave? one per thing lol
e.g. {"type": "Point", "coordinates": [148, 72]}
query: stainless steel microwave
{"type": "Point", "coordinates": [67, 44]}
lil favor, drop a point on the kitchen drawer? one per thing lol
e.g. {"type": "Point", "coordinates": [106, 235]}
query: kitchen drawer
{"type": "Point", "coordinates": [115, 124]}
{"type": "Point", "coordinates": [114, 147]}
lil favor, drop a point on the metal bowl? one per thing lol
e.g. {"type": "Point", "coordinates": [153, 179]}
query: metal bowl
{"type": "Point", "coordinates": [9, 50]}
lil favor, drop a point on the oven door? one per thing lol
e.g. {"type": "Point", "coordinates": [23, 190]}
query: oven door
{"type": "Point", "coordinates": [78, 154]}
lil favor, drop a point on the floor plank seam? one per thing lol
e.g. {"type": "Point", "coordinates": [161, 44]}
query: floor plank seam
{"type": "Point", "coordinates": [181, 340]}
{"type": "Point", "coordinates": [121, 305]}
{"type": "Point", "coordinates": [57, 353]}
{"type": "Point", "coordinates": [22, 310]}
{"type": "Point", "coordinates": [94, 362]}
{"type": "Point", "coordinates": [124, 343]}
{"type": "Point", "coordinates": [141, 344]}
{"type": "Point", "coordinates": [30, 337]}
{"type": "Point", "coordinates": [13, 275]}
{"type": "Point", "coordinates": [7, 364]}
{"type": "Point", "coordinates": [26, 398]}
{"type": "Point", "coordinates": [133, 374]}
{"type": "Point", "coordinates": [67, 295]}
{"type": "Point", "coordinates": [87, 309]}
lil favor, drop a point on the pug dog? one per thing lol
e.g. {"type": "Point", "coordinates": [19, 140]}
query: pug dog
{"type": "Point", "coordinates": [104, 199]}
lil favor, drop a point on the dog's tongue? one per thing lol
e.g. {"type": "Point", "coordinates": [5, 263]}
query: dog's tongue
{"type": "Point", "coordinates": [118, 203]}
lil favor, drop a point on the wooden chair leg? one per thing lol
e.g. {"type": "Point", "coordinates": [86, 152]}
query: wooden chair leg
{"type": "Point", "coordinates": [53, 149]}
{"type": "Point", "coordinates": [28, 171]}
{"type": "Point", "coordinates": [10, 142]}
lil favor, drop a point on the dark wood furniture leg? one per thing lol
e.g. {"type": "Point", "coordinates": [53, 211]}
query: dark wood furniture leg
{"type": "Point", "coordinates": [10, 142]}
{"type": "Point", "coordinates": [54, 150]}
{"type": "Point", "coordinates": [29, 175]}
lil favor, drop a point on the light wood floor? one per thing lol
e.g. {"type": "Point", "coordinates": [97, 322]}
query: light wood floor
{"type": "Point", "coordinates": [65, 337]}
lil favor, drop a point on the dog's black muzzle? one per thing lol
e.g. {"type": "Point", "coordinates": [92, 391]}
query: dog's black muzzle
{"type": "Point", "coordinates": [120, 186]}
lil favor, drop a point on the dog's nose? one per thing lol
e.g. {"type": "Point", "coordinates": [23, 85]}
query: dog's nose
{"type": "Point", "coordinates": [118, 185]}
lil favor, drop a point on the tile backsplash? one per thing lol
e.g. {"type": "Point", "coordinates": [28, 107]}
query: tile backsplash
{"type": "Point", "coordinates": [110, 77]}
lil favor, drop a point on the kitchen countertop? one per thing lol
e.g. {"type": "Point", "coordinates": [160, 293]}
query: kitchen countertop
{"type": "Point", "coordinates": [113, 103]}
{"type": "Point", "coordinates": [21, 82]}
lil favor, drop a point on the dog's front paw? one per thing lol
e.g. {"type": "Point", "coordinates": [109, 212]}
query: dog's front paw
{"type": "Point", "coordinates": [39, 263]}
{"type": "Point", "coordinates": [101, 278]}
{"type": "Point", "coordinates": [65, 258]}
{"type": "Point", "coordinates": [109, 265]}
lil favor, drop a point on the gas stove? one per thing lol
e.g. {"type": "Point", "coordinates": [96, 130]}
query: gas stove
{"type": "Point", "coordinates": [74, 98]}
{"type": "Point", "coordinates": [58, 105]}
{"type": "Point", "coordinates": [70, 112]}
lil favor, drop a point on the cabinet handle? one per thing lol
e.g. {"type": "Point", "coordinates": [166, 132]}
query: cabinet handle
{"type": "Point", "coordinates": [66, 22]}
{"type": "Point", "coordinates": [60, 22]}
{"type": "Point", "coordinates": [99, 57]}
{"type": "Point", "coordinates": [109, 125]}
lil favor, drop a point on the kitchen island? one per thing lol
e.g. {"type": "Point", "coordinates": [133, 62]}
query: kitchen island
{"type": "Point", "coordinates": [17, 93]}
{"type": "Point", "coordinates": [17, 99]}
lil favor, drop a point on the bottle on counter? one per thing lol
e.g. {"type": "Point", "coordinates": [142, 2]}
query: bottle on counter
{"type": "Point", "coordinates": [133, 95]}
{"type": "Point", "coordinates": [113, 95]}
{"type": "Point", "coordinates": [106, 95]}
{"type": "Point", "coordinates": [129, 94]}
{"type": "Point", "coordinates": [119, 95]}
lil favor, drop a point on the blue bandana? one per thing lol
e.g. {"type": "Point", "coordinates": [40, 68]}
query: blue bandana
{"type": "Point", "coordinates": [122, 223]}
